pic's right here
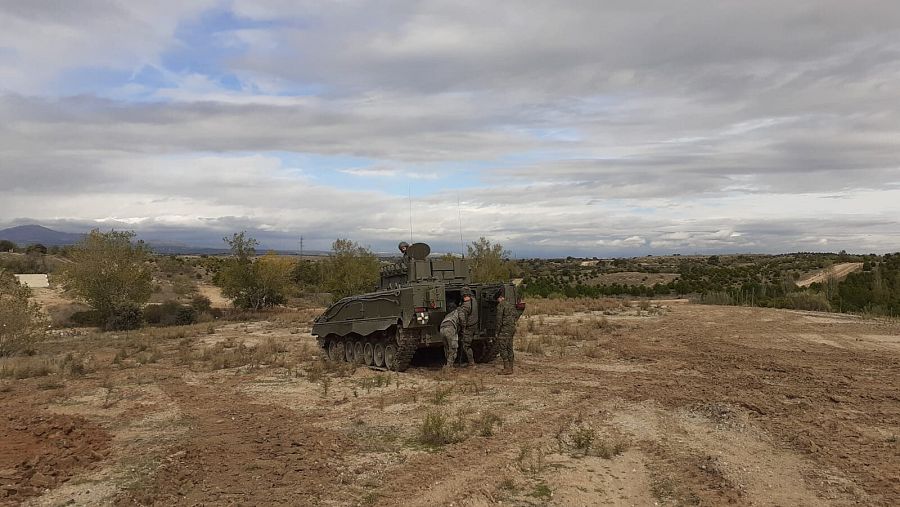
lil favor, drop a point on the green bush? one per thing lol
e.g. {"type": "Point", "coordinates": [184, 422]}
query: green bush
{"type": "Point", "coordinates": [123, 317]}
{"type": "Point", "coordinates": [22, 324]}
{"type": "Point", "coordinates": [170, 313]}
{"type": "Point", "coordinates": [86, 318]}
{"type": "Point", "coordinates": [804, 301]}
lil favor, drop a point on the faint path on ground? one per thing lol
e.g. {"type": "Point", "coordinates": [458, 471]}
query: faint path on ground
{"type": "Point", "coordinates": [838, 272]}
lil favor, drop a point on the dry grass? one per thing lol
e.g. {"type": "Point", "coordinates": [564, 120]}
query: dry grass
{"type": "Point", "coordinates": [570, 306]}
{"type": "Point", "coordinates": [438, 428]}
{"type": "Point", "coordinates": [579, 437]}
{"type": "Point", "coordinates": [71, 365]}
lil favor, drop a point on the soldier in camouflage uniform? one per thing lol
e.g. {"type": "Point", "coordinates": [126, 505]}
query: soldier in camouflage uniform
{"type": "Point", "coordinates": [455, 322]}
{"type": "Point", "coordinates": [506, 329]}
{"type": "Point", "coordinates": [470, 325]}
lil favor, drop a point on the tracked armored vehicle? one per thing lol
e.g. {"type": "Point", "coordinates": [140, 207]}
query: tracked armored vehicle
{"type": "Point", "coordinates": [385, 328]}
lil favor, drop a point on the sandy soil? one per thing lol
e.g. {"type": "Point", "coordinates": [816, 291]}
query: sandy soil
{"type": "Point", "coordinates": [838, 272]}
{"type": "Point", "coordinates": [214, 294]}
{"type": "Point", "coordinates": [700, 405]}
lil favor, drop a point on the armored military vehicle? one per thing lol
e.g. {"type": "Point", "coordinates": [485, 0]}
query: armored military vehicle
{"type": "Point", "coordinates": [386, 327]}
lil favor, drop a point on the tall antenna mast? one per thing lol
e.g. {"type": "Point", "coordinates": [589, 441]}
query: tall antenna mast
{"type": "Point", "coordinates": [301, 248]}
{"type": "Point", "coordinates": [459, 221]}
{"type": "Point", "coordinates": [409, 193]}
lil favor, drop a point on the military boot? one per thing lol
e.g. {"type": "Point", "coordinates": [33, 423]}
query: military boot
{"type": "Point", "coordinates": [507, 368]}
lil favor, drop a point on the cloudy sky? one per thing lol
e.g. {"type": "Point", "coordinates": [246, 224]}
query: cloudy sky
{"type": "Point", "coordinates": [593, 127]}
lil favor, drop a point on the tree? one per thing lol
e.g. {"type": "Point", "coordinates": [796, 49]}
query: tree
{"type": "Point", "coordinates": [110, 273]}
{"type": "Point", "coordinates": [7, 245]}
{"type": "Point", "coordinates": [22, 324]}
{"type": "Point", "coordinates": [489, 262]}
{"type": "Point", "coordinates": [253, 284]}
{"type": "Point", "coordinates": [307, 275]}
{"type": "Point", "coordinates": [349, 269]}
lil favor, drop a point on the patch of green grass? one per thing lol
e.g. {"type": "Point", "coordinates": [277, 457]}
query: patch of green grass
{"type": "Point", "coordinates": [541, 491]}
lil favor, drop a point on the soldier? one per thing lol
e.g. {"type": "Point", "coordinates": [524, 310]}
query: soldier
{"type": "Point", "coordinates": [403, 246]}
{"type": "Point", "coordinates": [470, 325]}
{"type": "Point", "coordinates": [506, 330]}
{"type": "Point", "coordinates": [455, 322]}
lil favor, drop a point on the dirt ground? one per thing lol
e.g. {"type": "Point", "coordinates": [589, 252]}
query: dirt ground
{"type": "Point", "coordinates": [686, 405]}
{"type": "Point", "coordinates": [838, 272]}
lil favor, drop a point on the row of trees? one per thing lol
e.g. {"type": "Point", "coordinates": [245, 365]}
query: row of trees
{"type": "Point", "coordinates": [113, 273]}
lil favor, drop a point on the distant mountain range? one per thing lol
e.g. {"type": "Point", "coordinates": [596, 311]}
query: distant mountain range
{"type": "Point", "coordinates": [24, 235]}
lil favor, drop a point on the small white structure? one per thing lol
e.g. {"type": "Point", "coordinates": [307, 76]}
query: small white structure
{"type": "Point", "coordinates": [38, 281]}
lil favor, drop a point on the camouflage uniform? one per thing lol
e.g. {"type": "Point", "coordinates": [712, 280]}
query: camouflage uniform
{"type": "Point", "coordinates": [470, 324]}
{"type": "Point", "coordinates": [506, 329]}
{"type": "Point", "coordinates": [450, 327]}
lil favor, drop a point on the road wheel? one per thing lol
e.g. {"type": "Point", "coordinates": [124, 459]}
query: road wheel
{"type": "Point", "coordinates": [369, 354]}
{"type": "Point", "coordinates": [358, 352]}
{"type": "Point", "coordinates": [390, 356]}
{"type": "Point", "coordinates": [333, 350]}
{"type": "Point", "coordinates": [378, 354]}
{"type": "Point", "coordinates": [348, 352]}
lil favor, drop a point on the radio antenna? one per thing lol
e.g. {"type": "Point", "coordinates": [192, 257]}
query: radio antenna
{"type": "Point", "coordinates": [409, 194]}
{"type": "Point", "coordinates": [459, 221]}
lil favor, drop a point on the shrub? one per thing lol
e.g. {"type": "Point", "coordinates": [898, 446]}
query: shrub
{"type": "Point", "coordinates": [170, 313]}
{"type": "Point", "coordinates": [804, 301]}
{"type": "Point", "coordinates": [22, 324]}
{"type": "Point", "coordinates": [86, 318]}
{"type": "Point", "coordinates": [438, 429]}
{"type": "Point", "coordinates": [111, 274]}
{"type": "Point", "coordinates": [484, 425]}
{"type": "Point", "coordinates": [185, 316]}
{"type": "Point", "coordinates": [201, 303]}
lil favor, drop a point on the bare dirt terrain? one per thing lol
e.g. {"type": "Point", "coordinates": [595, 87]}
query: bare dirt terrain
{"type": "Point", "coordinates": [838, 272]}
{"type": "Point", "coordinates": [687, 405]}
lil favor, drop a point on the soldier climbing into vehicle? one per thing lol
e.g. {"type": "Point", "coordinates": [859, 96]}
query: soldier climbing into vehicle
{"type": "Point", "coordinates": [456, 323]}
{"type": "Point", "coordinates": [506, 330]}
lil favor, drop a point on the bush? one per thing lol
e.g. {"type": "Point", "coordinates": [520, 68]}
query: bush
{"type": "Point", "coordinates": [86, 318]}
{"type": "Point", "coordinates": [201, 303]}
{"type": "Point", "coordinates": [22, 324]}
{"type": "Point", "coordinates": [170, 313]}
{"type": "Point", "coordinates": [804, 301]}
{"type": "Point", "coordinates": [185, 316]}
{"type": "Point", "coordinates": [111, 274]}
{"type": "Point", "coordinates": [439, 429]}
{"type": "Point", "coordinates": [124, 317]}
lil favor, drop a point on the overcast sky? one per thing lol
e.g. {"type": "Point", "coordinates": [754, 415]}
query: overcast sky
{"type": "Point", "coordinates": [590, 128]}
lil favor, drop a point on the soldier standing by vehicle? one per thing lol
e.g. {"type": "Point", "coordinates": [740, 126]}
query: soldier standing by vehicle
{"type": "Point", "coordinates": [506, 330]}
{"type": "Point", "coordinates": [455, 322]}
{"type": "Point", "coordinates": [469, 327]}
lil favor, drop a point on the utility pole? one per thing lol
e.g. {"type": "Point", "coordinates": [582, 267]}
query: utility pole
{"type": "Point", "coordinates": [301, 248]}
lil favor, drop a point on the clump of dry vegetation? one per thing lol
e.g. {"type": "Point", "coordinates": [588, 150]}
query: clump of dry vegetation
{"type": "Point", "coordinates": [570, 306]}
{"type": "Point", "coordinates": [438, 428]}
{"type": "Point", "coordinates": [579, 437]}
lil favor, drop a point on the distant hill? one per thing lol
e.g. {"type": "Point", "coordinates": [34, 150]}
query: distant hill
{"type": "Point", "coordinates": [24, 235]}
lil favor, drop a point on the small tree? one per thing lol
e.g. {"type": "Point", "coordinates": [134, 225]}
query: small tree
{"type": "Point", "coordinates": [110, 273]}
{"type": "Point", "coordinates": [22, 324]}
{"type": "Point", "coordinates": [349, 269]}
{"type": "Point", "coordinates": [253, 285]}
{"type": "Point", "coordinates": [7, 245]}
{"type": "Point", "coordinates": [489, 262]}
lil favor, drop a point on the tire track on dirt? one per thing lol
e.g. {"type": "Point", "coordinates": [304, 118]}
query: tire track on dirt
{"type": "Point", "coordinates": [239, 452]}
